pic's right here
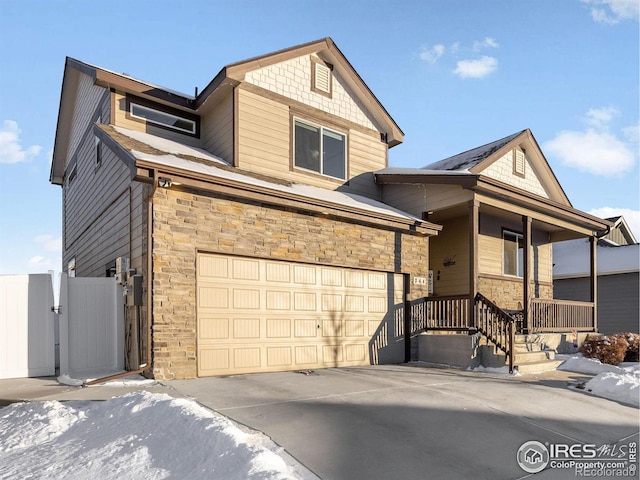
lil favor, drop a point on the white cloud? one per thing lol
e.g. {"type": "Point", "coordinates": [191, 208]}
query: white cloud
{"type": "Point", "coordinates": [432, 54]}
{"type": "Point", "coordinates": [632, 133]}
{"type": "Point", "coordinates": [600, 153]}
{"type": "Point", "coordinates": [40, 264]}
{"type": "Point", "coordinates": [478, 68]}
{"type": "Point", "coordinates": [600, 117]}
{"type": "Point", "coordinates": [595, 150]}
{"type": "Point", "coordinates": [488, 42]}
{"type": "Point", "coordinates": [631, 216]}
{"type": "Point", "coordinates": [49, 243]}
{"type": "Point", "coordinates": [613, 11]}
{"type": "Point", "coordinates": [10, 149]}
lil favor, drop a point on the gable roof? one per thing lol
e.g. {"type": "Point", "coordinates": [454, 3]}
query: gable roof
{"type": "Point", "coordinates": [328, 51]}
{"type": "Point", "coordinates": [465, 161]}
{"type": "Point", "coordinates": [472, 163]}
{"type": "Point", "coordinates": [622, 227]}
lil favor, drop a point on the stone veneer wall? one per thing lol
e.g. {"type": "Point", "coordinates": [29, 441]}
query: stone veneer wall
{"type": "Point", "coordinates": [185, 223]}
{"type": "Point", "coordinates": [507, 292]}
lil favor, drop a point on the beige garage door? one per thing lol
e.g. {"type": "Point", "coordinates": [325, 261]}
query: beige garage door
{"type": "Point", "coordinates": [258, 315]}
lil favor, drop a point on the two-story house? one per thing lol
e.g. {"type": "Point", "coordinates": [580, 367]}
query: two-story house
{"type": "Point", "coordinates": [269, 232]}
{"type": "Point", "coordinates": [250, 210]}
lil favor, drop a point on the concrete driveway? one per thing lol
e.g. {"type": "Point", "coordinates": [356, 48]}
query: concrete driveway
{"type": "Point", "coordinates": [402, 421]}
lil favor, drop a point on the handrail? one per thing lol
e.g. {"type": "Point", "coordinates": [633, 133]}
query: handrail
{"type": "Point", "coordinates": [497, 325]}
{"type": "Point", "coordinates": [441, 313]}
{"type": "Point", "coordinates": [547, 315]}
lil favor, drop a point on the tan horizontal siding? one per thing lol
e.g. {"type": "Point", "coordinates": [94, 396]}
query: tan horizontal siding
{"type": "Point", "coordinates": [409, 198]}
{"type": "Point", "coordinates": [452, 243]}
{"type": "Point", "coordinates": [442, 196]}
{"type": "Point", "coordinates": [263, 134]}
{"type": "Point", "coordinates": [217, 129]}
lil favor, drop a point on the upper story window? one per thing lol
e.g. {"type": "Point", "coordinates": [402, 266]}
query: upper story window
{"type": "Point", "coordinates": [321, 78]}
{"type": "Point", "coordinates": [320, 149]}
{"type": "Point", "coordinates": [164, 119]}
{"type": "Point", "coordinates": [162, 116]}
{"type": "Point", "coordinates": [513, 253]}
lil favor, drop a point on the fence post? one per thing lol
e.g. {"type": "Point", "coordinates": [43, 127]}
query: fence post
{"type": "Point", "coordinates": [407, 318]}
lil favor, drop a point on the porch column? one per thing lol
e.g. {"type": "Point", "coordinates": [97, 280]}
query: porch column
{"type": "Point", "coordinates": [474, 222]}
{"type": "Point", "coordinates": [593, 243]}
{"type": "Point", "coordinates": [526, 271]}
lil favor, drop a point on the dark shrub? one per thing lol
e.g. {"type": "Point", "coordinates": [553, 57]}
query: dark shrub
{"type": "Point", "coordinates": [612, 349]}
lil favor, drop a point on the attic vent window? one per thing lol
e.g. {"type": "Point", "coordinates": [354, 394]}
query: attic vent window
{"type": "Point", "coordinates": [162, 119]}
{"type": "Point", "coordinates": [321, 78]}
{"type": "Point", "coordinates": [519, 163]}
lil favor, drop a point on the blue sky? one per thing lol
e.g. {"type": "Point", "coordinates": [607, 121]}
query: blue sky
{"type": "Point", "coordinates": [454, 74]}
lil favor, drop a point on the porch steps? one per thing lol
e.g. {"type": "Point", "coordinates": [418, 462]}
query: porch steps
{"type": "Point", "coordinates": [532, 356]}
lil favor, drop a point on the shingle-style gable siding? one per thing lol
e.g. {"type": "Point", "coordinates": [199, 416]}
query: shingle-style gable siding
{"type": "Point", "coordinates": [502, 170]}
{"type": "Point", "coordinates": [292, 79]}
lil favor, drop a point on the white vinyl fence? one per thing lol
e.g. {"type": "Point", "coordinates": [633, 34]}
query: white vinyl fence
{"type": "Point", "coordinates": [91, 315]}
{"type": "Point", "coordinates": [89, 321]}
{"type": "Point", "coordinates": [26, 326]}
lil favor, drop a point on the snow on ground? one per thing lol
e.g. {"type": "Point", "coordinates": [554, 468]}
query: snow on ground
{"type": "Point", "coordinates": [615, 382]}
{"type": "Point", "coordinates": [137, 435]}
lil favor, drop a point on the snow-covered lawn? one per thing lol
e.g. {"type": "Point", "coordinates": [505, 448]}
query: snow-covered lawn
{"type": "Point", "coordinates": [621, 383]}
{"type": "Point", "coordinates": [133, 436]}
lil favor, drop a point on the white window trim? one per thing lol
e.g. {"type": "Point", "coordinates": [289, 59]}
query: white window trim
{"type": "Point", "coordinates": [322, 128]}
{"type": "Point", "coordinates": [519, 267]}
{"type": "Point", "coordinates": [166, 125]}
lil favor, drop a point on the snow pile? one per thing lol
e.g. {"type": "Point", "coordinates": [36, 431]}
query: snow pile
{"type": "Point", "coordinates": [621, 383]}
{"type": "Point", "coordinates": [138, 435]}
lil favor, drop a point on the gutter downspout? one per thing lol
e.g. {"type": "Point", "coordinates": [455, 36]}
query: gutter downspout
{"type": "Point", "coordinates": [146, 365]}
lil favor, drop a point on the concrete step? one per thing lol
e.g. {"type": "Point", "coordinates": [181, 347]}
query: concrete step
{"type": "Point", "coordinates": [528, 347]}
{"type": "Point", "coordinates": [534, 356]}
{"type": "Point", "coordinates": [538, 367]}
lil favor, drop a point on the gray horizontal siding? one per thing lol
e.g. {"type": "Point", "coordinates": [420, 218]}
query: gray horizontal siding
{"type": "Point", "coordinates": [618, 299]}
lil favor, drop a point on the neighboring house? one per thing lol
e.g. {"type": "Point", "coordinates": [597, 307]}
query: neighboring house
{"type": "Point", "coordinates": [618, 285]}
{"type": "Point", "coordinates": [250, 211]}
{"type": "Point", "coordinates": [270, 233]}
{"type": "Point", "coordinates": [501, 208]}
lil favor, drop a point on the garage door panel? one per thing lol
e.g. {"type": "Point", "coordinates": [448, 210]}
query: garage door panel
{"type": "Point", "coordinates": [306, 355]}
{"type": "Point", "coordinates": [213, 297]}
{"type": "Point", "coordinates": [332, 355]}
{"type": "Point", "coordinates": [246, 358]}
{"type": "Point", "coordinates": [355, 353]}
{"type": "Point", "coordinates": [213, 328]}
{"type": "Point", "coordinates": [244, 269]}
{"type": "Point", "coordinates": [246, 328]}
{"type": "Point", "coordinates": [279, 356]}
{"type": "Point", "coordinates": [213, 266]}
{"type": "Point", "coordinates": [377, 281]}
{"type": "Point", "coordinates": [354, 328]}
{"type": "Point", "coordinates": [303, 274]}
{"type": "Point", "coordinates": [279, 328]}
{"type": "Point", "coordinates": [258, 315]}
{"type": "Point", "coordinates": [304, 302]}
{"type": "Point", "coordinates": [331, 277]}
{"type": "Point", "coordinates": [278, 272]}
{"type": "Point", "coordinates": [246, 298]}
{"type": "Point", "coordinates": [306, 328]}
{"type": "Point", "coordinates": [278, 300]}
